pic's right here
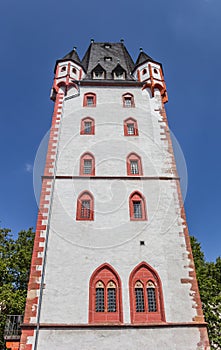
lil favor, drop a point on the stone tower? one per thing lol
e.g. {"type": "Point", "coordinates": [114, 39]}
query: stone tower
{"type": "Point", "coordinates": [112, 266]}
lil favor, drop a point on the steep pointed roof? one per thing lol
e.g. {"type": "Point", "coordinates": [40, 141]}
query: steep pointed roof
{"type": "Point", "coordinates": [72, 55]}
{"type": "Point", "coordinates": [143, 57]}
{"type": "Point", "coordinates": [108, 55]}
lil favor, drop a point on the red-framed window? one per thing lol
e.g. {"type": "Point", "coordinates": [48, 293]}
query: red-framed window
{"type": "Point", "coordinates": [85, 207]}
{"type": "Point", "coordinates": [89, 100]}
{"type": "Point", "coordinates": [137, 207]}
{"type": "Point", "coordinates": [130, 127]}
{"type": "Point", "coordinates": [105, 300]}
{"type": "Point", "coordinates": [146, 298]}
{"type": "Point", "coordinates": [87, 164]}
{"type": "Point", "coordinates": [128, 100]}
{"type": "Point", "coordinates": [87, 126]}
{"type": "Point", "coordinates": [134, 165]}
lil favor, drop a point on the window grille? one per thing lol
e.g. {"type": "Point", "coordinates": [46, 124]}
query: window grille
{"type": "Point", "coordinates": [137, 210]}
{"type": "Point", "coordinates": [139, 299]}
{"type": "Point", "coordinates": [134, 169]}
{"type": "Point", "coordinates": [90, 101]}
{"type": "Point", "coordinates": [151, 297]}
{"type": "Point", "coordinates": [111, 295]}
{"type": "Point", "coordinates": [85, 209]}
{"type": "Point", "coordinates": [87, 127]}
{"type": "Point", "coordinates": [127, 102]}
{"type": "Point", "coordinates": [87, 166]}
{"type": "Point", "coordinates": [130, 129]}
{"type": "Point", "coordinates": [13, 327]}
{"type": "Point", "coordinates": [99, 307]}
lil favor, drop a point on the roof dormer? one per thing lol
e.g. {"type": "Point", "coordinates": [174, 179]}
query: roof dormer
{"type": "Point", "coordinates": [119, 73]}
{"type": "Point", "coordinates": [98, 72]}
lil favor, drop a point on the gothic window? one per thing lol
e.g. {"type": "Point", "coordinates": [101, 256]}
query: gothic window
{"type": "Point", "coordinates": [130, 127]}
{"type": "Point", "coordinates": [89, 100]}
{"type": "Point", "coordinates": [128, 100]}
{"type": "Point", "coordinates": [146, 299]}
{"type": "Point", "coordinates": [85, 207]}
{"type": "Point", "coordinates": [87, 165]}
{"type": "Point", "coordinates": [87, 126]}
{"type": "Point", "coordinates": [137, 206]}
{"type": "Point", "coordinates": [134, 166]}
{"type": "Point", "coordinates": [105, 296]}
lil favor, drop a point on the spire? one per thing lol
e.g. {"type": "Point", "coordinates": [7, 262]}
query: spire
{"type": "Point", "coordinates": [72, 55]}
{"type": "Point", "coordinates": [143, 57]}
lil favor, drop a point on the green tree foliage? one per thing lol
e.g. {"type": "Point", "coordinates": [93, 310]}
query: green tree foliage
{"type": "Point", "coordinates": [209, 280]}
{"type": "Point", "coordinates": [15, 259]}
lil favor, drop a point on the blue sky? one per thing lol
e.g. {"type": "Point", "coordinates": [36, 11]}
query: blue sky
{"type": "Point", "coordinates": [183, 35]}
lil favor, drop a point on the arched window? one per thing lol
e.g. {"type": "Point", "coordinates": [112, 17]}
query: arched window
{"type": "Point", "coordinates": [87, 165]}
{"type": "Point", "coordinates": [134, 166]}
{"type": "Point", "coordinates": [87, 126]}
{"type": "Point", "coordinates": [146, 298]}
{"type": "Point", "coordinates": [105, 304]}
{"type": "Point", "coordinates": [130, 127]}
{"type": "Point", "coordinates": [85, 206]}
{"type": "Point", "coordinates": [128, 100]}
{"type": "Point", "coordinates": [144, 71]}
{"type": "Point", "coordinates": [137, 206]}
{"type": "Point", "coordinates": [89, 100]}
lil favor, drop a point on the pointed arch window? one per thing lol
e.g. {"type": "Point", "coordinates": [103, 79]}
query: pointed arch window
{"type": "Point", "coordinates": [87, 126]}
{"type": "Point", "coordinates": [134, 165]}
{"type": "Point", "coordinates": [137, 206]}
{"type": "Point", "coordinates": [146, 298]}
{"type": "Point", "coordinates": [85, 207]}
{"type": "Point", "coordinates": [130, 127]}
{"type": "Point", "coordinates": [128, 100]}
{"type": "Point", "coordinates": [105, 303]}
{"type": "Point", "coordinates": [89, 100]}
{"type": "Point", "coordinates": [87, 165]}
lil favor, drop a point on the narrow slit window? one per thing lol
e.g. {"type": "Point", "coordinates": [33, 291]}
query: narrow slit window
{"type": "Point", "coordinates": [139, 297]}
{"type": "Point", "coordinates": [151, 297]}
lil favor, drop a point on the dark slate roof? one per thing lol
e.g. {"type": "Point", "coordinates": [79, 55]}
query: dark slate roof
{"type": "Point", "coordinates": [143, 57]}
{"type": "Point", "coordinates": [98, 53]}
{"type": "Point", "coordinates": [73, 55]}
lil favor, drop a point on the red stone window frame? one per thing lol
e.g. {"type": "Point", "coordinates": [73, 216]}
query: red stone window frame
{"type": "Point", "coordinates": [90, 99]}
{"type": "Point", "coordinates": [105, 277]}
{"type": "Point", "coordinates": [137, 207]}
{"type": "Point", "coordinates": [84, 130]}
{"type": "Point", "coordinates": [85, 207]}
{"type": "Point", "coordinates": [144, 276]}
{"type": "Point", "coordinates": [126, 98]}
{"type": "Point", "coordinates": [83, 168]}
{"type": "Point", "coordinates": [131, 170]}
{"type": "Point", "coordinates": [130, 123]}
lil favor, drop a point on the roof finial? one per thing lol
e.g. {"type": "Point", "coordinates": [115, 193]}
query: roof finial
{"type": "Point", "coordinates": [122, 41]}
{"type": "Point", "coordinates": [74, 48]}
{"type": "Point", "coordinates": [92, 41]}
{"type": "Point", "coordinates": [141, 49]}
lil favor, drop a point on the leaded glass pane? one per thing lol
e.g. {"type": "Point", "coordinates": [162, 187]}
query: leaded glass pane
{"type": "Point", "coordinates": [152, 307]}
{"type": "Point", "coordinates": [134, 167]}
{"type": "Point", "coordinates": [127, 101]}
{"type": "Point", "coordinates": [111, 299]}
{"type": "Point", "coordinates": [139, 299]}
{"type": "Point", "coordinates": [90, 101]}
{"type": "Point", "coordinates": [130, 129]}
{"type": "Point", "coordinates": [137, 209]}
{"type": "Point", "coordinates": [87, 166]}
{"type": "Point", "coordinates": [85, 209]}
{"type": "Point", "coordinates": [99, 307]}
{"type": "Point", "coordinates": [87, 127]}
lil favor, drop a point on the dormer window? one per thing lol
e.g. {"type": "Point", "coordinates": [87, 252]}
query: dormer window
{"type": "Point", "coordinates": [119, 73]}
{"type": "Point", "coordinates": [98, 72]}
{"type": "Point", "coordinates": [107, 46]}
{"type": "Point", "coordinates": [107, 59]}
